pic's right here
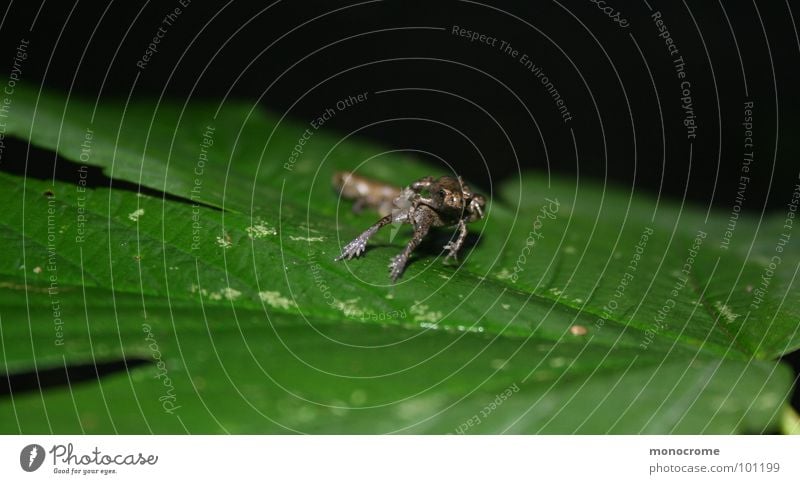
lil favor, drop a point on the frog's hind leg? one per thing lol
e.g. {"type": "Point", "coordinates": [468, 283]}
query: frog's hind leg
{"type": "Point", "coordinates": [398, 263]}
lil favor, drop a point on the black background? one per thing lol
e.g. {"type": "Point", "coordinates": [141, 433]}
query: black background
{"type": "Point", "coordinates": [618, 83]}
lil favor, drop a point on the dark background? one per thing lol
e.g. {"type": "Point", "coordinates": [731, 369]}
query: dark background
{"type": "Point", "coordinates": [483, 113]}
{"type": "Point", "coordinates": [299, 57]}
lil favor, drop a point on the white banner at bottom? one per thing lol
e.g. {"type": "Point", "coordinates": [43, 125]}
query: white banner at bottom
{"type": "Point", "coordinates": [400, 459]}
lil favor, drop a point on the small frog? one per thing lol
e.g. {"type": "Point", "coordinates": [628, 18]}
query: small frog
{"type": "Point", "coordinates": [428, 202]}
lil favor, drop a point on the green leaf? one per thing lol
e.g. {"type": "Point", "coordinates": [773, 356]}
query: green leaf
{"type": "Point", "coordinates": [260, 331]}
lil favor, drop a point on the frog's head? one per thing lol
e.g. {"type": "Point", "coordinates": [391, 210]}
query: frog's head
{"type": "Point", "coordinates": [448, 194]}
{"type": "Point", "coordinates": [451, 200]}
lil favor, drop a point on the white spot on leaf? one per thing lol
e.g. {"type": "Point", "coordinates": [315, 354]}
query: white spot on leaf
{"type": "Point", "coordinates": [230, 293]}
{"type": "Point", "coordinates": [350, 308]}
{"type": "Point", "coordinates": [505, 274]}
{"type": "Point", "coordinates": [136, 214]}
{"type": "Point", "coordinates": [578, 330]}
{"type": "Point", "coordinates": [276, 300]}
{"type": "Point", "coordinates": [358, 397]}
{"type": "Point", "coordinates": [307, 239]}
{"type": "Point", "coordinates": [260, 230]}
{"type": "Point", "coordinates": [727, 314]}
{"type": "Point", "coordinates": [423, 314]}
{"type": "Point", "coordinates": [224, 241]}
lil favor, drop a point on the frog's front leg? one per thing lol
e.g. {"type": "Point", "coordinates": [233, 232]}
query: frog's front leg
{"type": "Point", "coordinates": [356, 246]}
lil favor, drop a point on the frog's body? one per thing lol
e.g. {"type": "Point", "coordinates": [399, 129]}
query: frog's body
{"type": "Point", "coordinates": [428, 202]}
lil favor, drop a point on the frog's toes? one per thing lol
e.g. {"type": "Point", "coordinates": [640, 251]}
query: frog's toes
{"type": "Point", "coordinates": [452, 253]}
{"type": "Point", "coordinates": [353, 249]}
{"type": "Point", "coordinates": [397, 265]}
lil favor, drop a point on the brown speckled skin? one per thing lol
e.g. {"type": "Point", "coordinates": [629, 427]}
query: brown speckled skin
{"type": "Point", "coordinates": [426, 203]}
